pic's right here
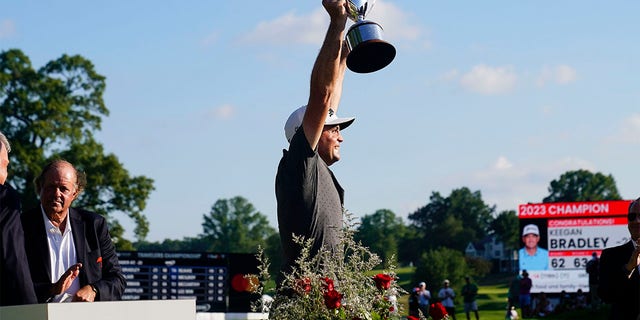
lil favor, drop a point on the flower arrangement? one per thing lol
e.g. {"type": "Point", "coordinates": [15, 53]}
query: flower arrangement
{"type": "Point", "coordinates": [335, 285]}
{"type": "Point", "coordinates": [437, 311]}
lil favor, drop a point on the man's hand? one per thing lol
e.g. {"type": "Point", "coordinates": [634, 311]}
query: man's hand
{"type": "Point", "coordinates": [634, 260]}
{"type": "Point", "coordinates": [85, 294]}
{"type": "Point", "coordinates": [337, 10]}
{"type": "Point", "coordinates": [66, 279]}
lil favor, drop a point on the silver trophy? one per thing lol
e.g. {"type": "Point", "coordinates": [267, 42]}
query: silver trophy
{"type": "Point", "coordinates": [368, 52]}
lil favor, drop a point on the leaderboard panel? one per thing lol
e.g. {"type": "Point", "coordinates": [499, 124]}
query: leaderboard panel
{"type": "Point", "coordinates": [567, 234]}
{"type": "Point", "coordinates": [205, 277]}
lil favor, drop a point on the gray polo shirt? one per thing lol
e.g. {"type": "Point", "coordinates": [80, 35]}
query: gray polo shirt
{"type": "Point", "coordinates": [309, 199]}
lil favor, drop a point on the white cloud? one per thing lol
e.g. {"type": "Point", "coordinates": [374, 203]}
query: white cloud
{"type": "Point", "coordinates": [565, 74]}
{"type": "Point", "coordinates": [560, 74]}
{"type": "Point", "coordinates": [293, 28]}
{"type": "Point", "coordinates": [507, 185]}
{"type": "Point", "coordinates": [223, 112]}
{"type": "Point", "coordinates": [450, 75]}
{"type": "Point", "coordinates": [502, 163]}
{"type": "Point", "coordinates": [629, 130]}
{"type": "Point", "coordinates": [210, 39]}
{"type": "Point", "coordinates": [397, 24]}
{"type": "Point", "coordinates": [7, 29]}
{"type": "Point", "coordinates": [489, 80]}
{"type": "Point", "coordinates": [290, 28]}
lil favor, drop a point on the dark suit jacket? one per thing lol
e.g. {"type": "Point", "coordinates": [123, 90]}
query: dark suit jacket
{"type": "Point", "coordinates": [94, 250]}
{"type": "Point", "coordinates": [615, 287]}
{"type": "Point", "coordinates": [16, 286]}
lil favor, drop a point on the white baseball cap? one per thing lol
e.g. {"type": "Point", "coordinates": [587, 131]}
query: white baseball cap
{"type": "Point", "coordinates": [530, 228]}
{"type": "Point", "coordinates": [295, 121]}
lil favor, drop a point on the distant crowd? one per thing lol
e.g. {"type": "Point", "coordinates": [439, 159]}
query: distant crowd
{"type": "Point", "coordinates": [542, 304]}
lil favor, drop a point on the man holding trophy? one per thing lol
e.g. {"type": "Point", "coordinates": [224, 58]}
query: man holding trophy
{"type": "Point", "coordinates": [310, 199]}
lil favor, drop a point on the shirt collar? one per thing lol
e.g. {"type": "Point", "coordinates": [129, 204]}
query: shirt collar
{"type": "Point", "coordinates": [48, 224]}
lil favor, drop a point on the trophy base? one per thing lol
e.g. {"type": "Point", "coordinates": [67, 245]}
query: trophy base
{"type": "Point", "coordinates": [370, 56]}
{"type": "Point", "coordinates": [369, 52]}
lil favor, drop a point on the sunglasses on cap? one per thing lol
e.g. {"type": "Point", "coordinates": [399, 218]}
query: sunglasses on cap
{"type": "Point", "coordinates": [632, 216]}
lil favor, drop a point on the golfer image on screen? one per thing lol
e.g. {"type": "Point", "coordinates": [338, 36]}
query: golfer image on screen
{"type": "Point", "coordinates": [531, 256]}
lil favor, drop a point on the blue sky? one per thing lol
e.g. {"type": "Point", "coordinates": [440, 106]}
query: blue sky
{"type": "Point", "coordinates": [498, 96]}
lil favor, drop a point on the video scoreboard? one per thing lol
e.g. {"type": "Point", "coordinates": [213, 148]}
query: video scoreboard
{"type": "Point", "coordinates": [571, 232]}
{"type": "Point", "coordinates": [217, 281]}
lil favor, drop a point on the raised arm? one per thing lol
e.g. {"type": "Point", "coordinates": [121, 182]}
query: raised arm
{"type": "Point", "coordinates": [327, 74]}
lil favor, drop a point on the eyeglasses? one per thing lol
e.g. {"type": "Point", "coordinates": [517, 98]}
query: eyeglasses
{"type": "Point", "coordinates": [632, 216]}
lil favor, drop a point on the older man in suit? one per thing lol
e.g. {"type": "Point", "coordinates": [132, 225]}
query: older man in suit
{"type": "Point", "coordinates": [70, 252]}
{"type": "Point", "coordinates": [619, 267]}
{"type": "Point", "coordinates": [16, 286]}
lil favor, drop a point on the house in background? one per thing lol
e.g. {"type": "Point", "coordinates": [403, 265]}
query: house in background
{"type": "Point", "coordinates": [491, 249]}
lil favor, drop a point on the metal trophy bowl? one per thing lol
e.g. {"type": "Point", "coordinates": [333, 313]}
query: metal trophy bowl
{"type": "Point", "coordinates": [368, 51]}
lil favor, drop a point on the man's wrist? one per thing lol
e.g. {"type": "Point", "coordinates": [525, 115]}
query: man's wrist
{"type": "Point", "coordinates": [95, 290]}
{"type": "Point", "coordinates": [627, 271]}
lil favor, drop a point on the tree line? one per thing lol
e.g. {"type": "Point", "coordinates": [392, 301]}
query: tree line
{"type": "Point", "coordinates": [433, 238]}
{"type": "Point", "coordinates": [54, 111]}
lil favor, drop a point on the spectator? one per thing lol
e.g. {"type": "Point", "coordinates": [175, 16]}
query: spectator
{"type": "Point", "coordinates": [513, 295]}
{"type": "Point", "coordinates": [566, 302]}
{"type": "Point", "coordinates": [469, 294]}
{"type": "Point", "coordinates": [446, 295]}
{"type": "Point", "coordinates": [593, 269]}
{"type": "Point", "coordinates": [619, 276]}
{"type": "Point", "coordinates": [525, 294]}
{"type": "Point", "coordinates": [16, 286]}
{"type": "Point", "coordinates": [414, 305]}
{"type": "Point", "coordinates": [543, 305]}
{"type": "Point", "coordinates": [71, 255]}
{"type": "Point", "coordinates": [424, 296]}
{"type": "Point", "coordinates": [581, 300]}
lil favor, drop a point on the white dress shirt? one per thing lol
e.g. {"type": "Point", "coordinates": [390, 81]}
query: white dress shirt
{"type": "Point", "coordinates": [62, 252]}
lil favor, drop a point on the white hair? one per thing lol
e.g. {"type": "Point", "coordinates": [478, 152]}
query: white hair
{"type": "Point", "coordinates": [4, 142]}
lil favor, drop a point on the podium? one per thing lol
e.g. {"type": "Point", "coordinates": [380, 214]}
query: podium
{"type": "Point", "coordinates": [104, 310]}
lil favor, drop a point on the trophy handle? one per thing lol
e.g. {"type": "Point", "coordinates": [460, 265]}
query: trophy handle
{"type": "Point", "coordinates": [358, 9]}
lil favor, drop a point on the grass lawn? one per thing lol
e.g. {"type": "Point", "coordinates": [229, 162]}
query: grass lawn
{"type": "Point", "coordinates": [492, 299]}
{"type": "Point", "coordinates": [492, 295]}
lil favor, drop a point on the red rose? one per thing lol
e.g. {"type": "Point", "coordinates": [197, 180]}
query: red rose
{"type": "Point", "coordinates": [383, 281]}
{"type": "Point", "coordinates": [328, 284]}
{"type": "Point", "coordinates": [332, 299]}
{"type": "Point", "coordinates": [437, 311]}
{"type": "Point", "coordinates": [303, 285]}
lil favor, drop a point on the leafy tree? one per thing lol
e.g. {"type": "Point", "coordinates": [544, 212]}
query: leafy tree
{"type": "Point", "coordinates": [187, 244]}
{"type": "Point", "coordinates": [478, 267]}
{"type": "Point", "coordinates": [454, 221]}
{"type": "Point", "coordinates": [408, 248]}
{"type": "Point", "coordinates": [233, 225]}
{"type": "Point", "coordinates": [381, 232]}
{"type": "Point", "coordinates": [506, 227]}
{"type": "Point", "coordinates": [273, 250]}
{"type": "Point", "coordinates": [52, 113]}
{"type": "Point", "coordinates": [435, 265]}
{"type": "Point", "coordinates": [582, 185]}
